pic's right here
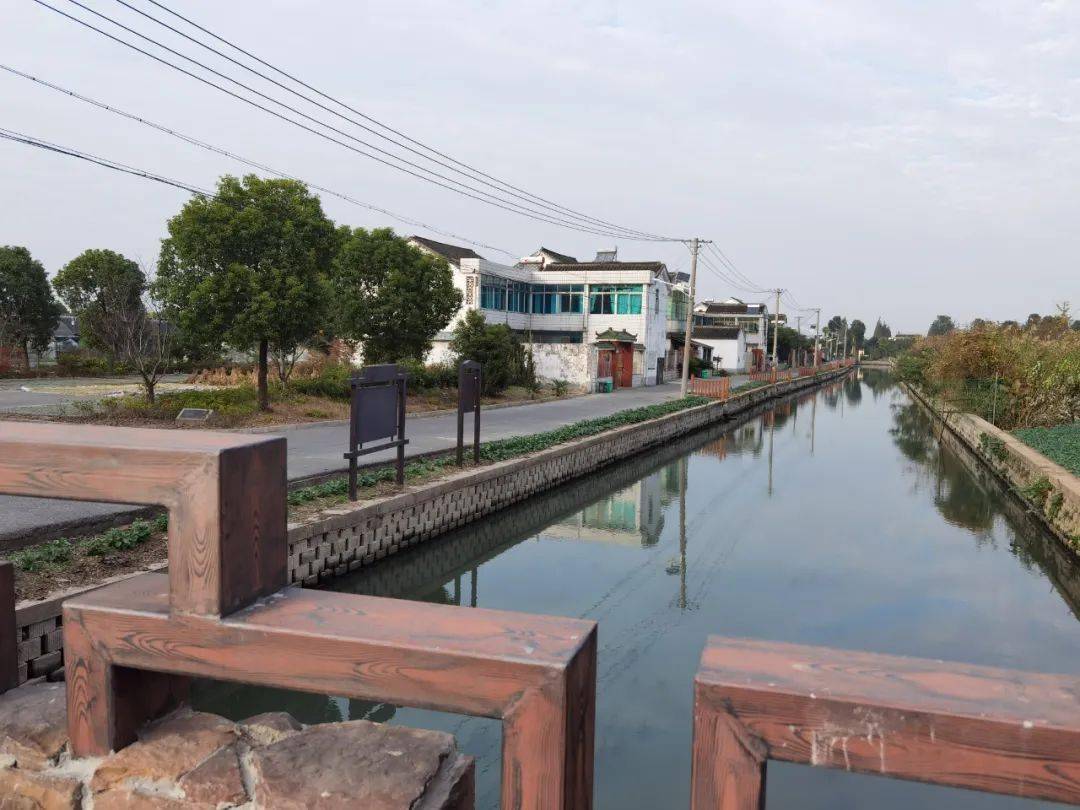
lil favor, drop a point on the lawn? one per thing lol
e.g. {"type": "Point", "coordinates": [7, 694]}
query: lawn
{"type": "Point", "coordinates": [1060, 444]}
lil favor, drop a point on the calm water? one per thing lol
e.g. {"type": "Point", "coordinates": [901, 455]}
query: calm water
{"type": "Point", "coordinates": [837, 520]}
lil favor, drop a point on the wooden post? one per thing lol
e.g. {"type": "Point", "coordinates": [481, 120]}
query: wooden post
{"type": "Point", "coordinates": [469, 386]}
{"type": "Point", "coordinates": [9, 643]}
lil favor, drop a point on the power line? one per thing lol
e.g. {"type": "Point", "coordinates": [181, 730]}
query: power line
{"type": "Point", "coordinates": [363, 115]}
{"type": "Point", "coordinates": [422, 173]}
{"type": "Point", "coordinates": [28, 140]}
{"type": "Point", "coordinates": [246, 161]}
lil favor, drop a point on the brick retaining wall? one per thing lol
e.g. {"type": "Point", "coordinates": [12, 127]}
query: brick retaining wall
{"type": "Point", "coordinates": [349, 538]}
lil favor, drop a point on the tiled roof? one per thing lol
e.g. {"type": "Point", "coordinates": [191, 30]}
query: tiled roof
{"type": "Point", "coordinates": [604, 267]}
{"type": "Point", "coordinates": [452, 253]}
{"type": "Point", "coordinates": [717, 332]}
{"type": "Point", "coordinates": [558, 257]}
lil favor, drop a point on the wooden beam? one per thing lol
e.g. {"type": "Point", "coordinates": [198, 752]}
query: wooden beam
{"type": "Point", "coordinates": [995, 730]}
{"type": "Point", "coordinates": [225, 494]}
{"type": "Point", "coordinates": [536, 673]}
{"type": "Point", "coordinates": [9, 642]}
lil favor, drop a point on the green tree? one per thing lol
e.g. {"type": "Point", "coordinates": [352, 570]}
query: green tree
{"type": "Point", "coordinates": [97, 286]}
{"type": "Point", "coordinates": [942, 325]}
{"type": "Point", "coordinates": [28, 311]}
{"type": "Point", "coordinates": [835, 325]}
{"type": "Point", "coordinates": [249, 267]}
{"type": "Point", "coordinates": [391, 296]}
{"type": "Point", "coordinates": [495, 347]}
{"type": "Point", "coordinates": [857, 333]}
{"type": "Point", "coordinates": [881, 331]}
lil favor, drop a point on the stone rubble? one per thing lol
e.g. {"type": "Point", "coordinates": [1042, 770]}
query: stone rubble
{"type": "Point", "coordinates": [197, 761]}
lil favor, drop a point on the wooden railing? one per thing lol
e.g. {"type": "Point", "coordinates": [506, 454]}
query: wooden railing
{"type": "Point", "coordinates": [716, 387]}
{"type": "Point", "coordinates": [223, 612]}
{"type": "Point", "coordinates": [994, 730]}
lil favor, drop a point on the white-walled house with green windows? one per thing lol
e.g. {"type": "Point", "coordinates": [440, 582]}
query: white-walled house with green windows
{"type": "Point", "coordinates": [584, 322]}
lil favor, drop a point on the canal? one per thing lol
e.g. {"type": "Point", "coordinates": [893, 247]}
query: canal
{"type": "Point", "coordinates": [838, 518]}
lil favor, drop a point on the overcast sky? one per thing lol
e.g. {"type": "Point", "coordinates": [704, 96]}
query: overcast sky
{"type": "Point", "coordinates": [895, 159]}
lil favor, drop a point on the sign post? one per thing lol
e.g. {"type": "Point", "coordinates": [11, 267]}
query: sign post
{"type": "Point", "coordinates": [469, 384]}
{"type": "Point", "coordinates": [377, 400]}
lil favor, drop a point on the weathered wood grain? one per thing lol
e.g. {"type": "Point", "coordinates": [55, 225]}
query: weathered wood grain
{"type": "Point", "coordinates": [9, 645]}
{"type": "Point", "coordinates": [225, 494]}
{"type": "Point", "coordinates": [537, 673]}
{"type": "Point", "coordinates": [995, 730]}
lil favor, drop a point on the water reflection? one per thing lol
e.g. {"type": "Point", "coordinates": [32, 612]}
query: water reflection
{"type": "Point", "coordinates": [847, 523]}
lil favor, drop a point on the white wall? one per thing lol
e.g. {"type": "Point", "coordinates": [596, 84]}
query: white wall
{"type": "Point", "coordinates": [562, 361]}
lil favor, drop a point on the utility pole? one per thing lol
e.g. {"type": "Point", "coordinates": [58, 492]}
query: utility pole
{"type": "Point", "coordinates": [798, 329]}
{"type": "Point", "coordinates": [817, 337]}
{"type": "Point", "coordinates": [776, 330]}
{"type": "Point", "coordinates": [695, 244]}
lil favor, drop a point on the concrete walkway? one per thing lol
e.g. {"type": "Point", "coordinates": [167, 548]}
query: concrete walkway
{"type": "Point", "coordinates": [314, 449]}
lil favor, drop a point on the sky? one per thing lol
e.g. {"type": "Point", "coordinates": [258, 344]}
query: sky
{"type": "Point", "coordinates": [877, 158]}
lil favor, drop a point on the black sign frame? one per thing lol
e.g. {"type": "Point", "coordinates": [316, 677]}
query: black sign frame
{"type": "Point", "coordinates": [470, 383]}
{"type": "Point", "coordinates": [376, 411]}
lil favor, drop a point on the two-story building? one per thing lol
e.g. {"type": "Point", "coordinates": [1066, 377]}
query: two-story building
{"type": "Point", "coordinates": [584, 322]}
{"type": "Point", "coordinates": [747, 352]}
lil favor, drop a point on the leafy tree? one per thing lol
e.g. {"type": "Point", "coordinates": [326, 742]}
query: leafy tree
{"type": "Point", "coordinates": [980, 323]}
{"type": "Point", "coordinates": [882, 331]}
{"type": "Point", "coordinates": [248, 267]}
{"type": "Point", "coordinates": [1076, 326]}
{"type": "Point", "coordinates": [857, 333]}
{"type": "Point", "coordinates": [836, 325]}
{"type": "Point", "coordinates": [97, 286]}
{"type": "Point", "coordinates": [495, 347]}
{"type": "Point", "coordinates": [140, 335]}
{"type": "Point", "coordinates": [942, 325]}
{"type": "Point", "coordinates": [28, 311]}
{"type": "Point", "coordinates": [391, 296]}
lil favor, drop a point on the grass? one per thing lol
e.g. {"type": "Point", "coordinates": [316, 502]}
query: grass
{"type": "Point", "coordinates": [1060, 443]}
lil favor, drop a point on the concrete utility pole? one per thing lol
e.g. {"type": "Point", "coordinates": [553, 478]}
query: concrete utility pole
{"type": "Point", "coordinates": [798, 329]}
{"type": "Point", "coordinates": [695, 244]}
{"type": "Point", "coordinates": [776, 329]}
{"type": "Point", "coordinates": [817, 336]}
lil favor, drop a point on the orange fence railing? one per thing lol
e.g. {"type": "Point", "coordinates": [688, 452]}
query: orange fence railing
{"type": "Point", "coordinates": [717, 388]}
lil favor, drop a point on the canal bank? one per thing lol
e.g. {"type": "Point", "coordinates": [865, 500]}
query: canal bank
{"type": "Point", "coordinates": [1049, 490]}
{"type": "Point", "coordinates": [835, 517]}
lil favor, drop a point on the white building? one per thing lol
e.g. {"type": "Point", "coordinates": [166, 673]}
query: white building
{"type": "Point", "coordinates": [728, 344]}
{"type": "Point", "coordinates": [584, 322]}
{"type": "Point", "coordinates": [752, 319]}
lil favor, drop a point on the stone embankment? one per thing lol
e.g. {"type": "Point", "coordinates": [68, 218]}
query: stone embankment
{"type": "Point", "coordinates": [196, 761]}
{"type": "Point", "coordinates": [1051, 492]}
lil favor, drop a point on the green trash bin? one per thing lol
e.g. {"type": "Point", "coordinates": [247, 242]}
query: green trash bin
{"type": "Point", "coordinates": [606, 387]}
{"type": "Point", "coordinates": [705, 374]}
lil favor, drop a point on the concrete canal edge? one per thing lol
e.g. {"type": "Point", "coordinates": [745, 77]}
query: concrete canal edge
{"type": "Point", "coordinates": [1050, 491]}
{"type": "Point", "coordinates": [352, 537]}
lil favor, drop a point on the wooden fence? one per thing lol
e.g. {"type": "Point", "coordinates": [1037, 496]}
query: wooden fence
{"type": "Point", "coordinates": [223, 612]}
{"type": "Point", "coordinates": [994, 730]}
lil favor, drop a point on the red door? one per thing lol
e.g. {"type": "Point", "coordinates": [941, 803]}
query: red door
{"type": "Point", "coordinates": [624, 365]}
{"type": "Point", "coordinates": [603, 364]}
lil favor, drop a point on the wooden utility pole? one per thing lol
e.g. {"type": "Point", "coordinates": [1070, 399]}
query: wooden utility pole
{"type": "Point", "coordinates": [695, 245]}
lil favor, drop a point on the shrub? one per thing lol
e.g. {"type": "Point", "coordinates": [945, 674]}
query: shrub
{"type": "Point", "coordinates": [44, 556]}
{"type": "Point", "coordinates": [330, 380]}
{"type": "Point", "coordinates": [560, 387]}
{"type": "Point", "coordinates": [120, 539]}
{"type": "Point", "coordinates": [435, 375]}
{"type": "Point", "coordinates": [505, 361]}
{"type": "Point", "coordinates": [86, 363]}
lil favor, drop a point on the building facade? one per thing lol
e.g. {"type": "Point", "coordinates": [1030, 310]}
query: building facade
{"type": "Point", "coordinates": [585, 322]}
{"type": "Point", "coordinates": [752, 319]}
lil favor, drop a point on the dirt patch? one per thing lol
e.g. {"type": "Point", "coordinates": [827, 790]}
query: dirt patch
{"type": "Point", "coordinates": [86, 569]}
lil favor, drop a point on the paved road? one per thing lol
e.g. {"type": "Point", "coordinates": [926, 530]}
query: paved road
{"type": "Point", "coordinates": [318, 448]}
{"type": "Point", "coordinates": [41, 396]}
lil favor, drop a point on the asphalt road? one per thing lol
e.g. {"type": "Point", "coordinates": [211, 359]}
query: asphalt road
{"type": "Point", "coordinates": [39, 396]}
{"type": "Point", "coordinates": [314, 449]}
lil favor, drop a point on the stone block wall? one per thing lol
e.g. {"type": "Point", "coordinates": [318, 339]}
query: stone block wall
{"type": "Point", "coordinates": [352, 537]}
